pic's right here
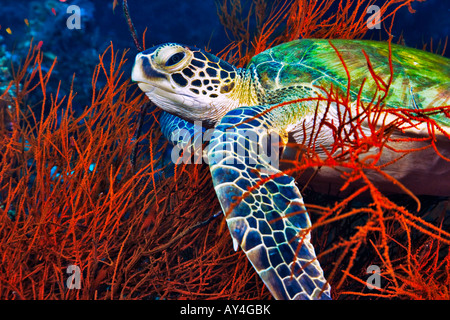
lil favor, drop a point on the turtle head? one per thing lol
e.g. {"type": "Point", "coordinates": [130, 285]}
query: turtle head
{"type": "Point", "coordinates": [188, 82]}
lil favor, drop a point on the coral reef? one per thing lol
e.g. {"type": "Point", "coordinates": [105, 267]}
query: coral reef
{"type": "Point", "coordinates": [70, 194]}
{"type": "Point", "coordinates": [76, 52]}
{"type": "Point", "coordinates": [5, 73]}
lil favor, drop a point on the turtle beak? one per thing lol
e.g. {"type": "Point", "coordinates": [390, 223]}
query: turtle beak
{"type": "Point", "coordinates": [138, 75]}
{"type": "Point", "coordinates": [144, 73]}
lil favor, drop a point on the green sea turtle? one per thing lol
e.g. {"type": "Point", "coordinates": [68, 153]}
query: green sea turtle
{"type": "Point", "coordinates": [264, 209]}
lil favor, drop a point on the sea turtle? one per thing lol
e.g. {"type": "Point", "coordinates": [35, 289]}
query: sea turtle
{"type": "Point", "coordinates": [263, 206]}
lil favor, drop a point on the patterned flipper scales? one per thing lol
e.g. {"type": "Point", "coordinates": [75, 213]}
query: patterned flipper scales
{"type": "Point", "coordinates": [268, 220]}
{"type": "Point", "coordinates": [180, 132]}
{"type": "Point", "coordinates": [263, 207]}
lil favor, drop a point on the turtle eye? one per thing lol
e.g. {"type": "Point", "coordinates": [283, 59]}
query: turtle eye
{"type": "Point", "coordinates": [175, 58]}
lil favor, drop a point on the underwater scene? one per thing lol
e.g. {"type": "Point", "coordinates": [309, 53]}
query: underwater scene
{"type": "Point", "coordinates": [224, 150]}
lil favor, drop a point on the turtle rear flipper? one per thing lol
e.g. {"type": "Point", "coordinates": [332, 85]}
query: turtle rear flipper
{"type": "Point", "coordinates": [263, 207]}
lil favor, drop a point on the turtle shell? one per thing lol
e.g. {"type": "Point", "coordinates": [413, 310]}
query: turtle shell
{"type": "Point", "coordinates": [420, 80]}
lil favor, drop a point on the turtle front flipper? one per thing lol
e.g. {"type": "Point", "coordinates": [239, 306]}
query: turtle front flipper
{"type": "Point", "coordinates": [263, 207]}
{"type": "Point", "coordinates": [186, 137]}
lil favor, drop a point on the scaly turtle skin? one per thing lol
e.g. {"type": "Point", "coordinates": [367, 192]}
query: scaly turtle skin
{"type": "Point", "coordinates": [263, 206]}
